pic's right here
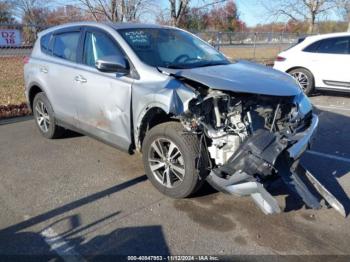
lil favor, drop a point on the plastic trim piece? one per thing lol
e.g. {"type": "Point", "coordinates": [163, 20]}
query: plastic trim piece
{"type": "Point", "coordinates": [296, 150]}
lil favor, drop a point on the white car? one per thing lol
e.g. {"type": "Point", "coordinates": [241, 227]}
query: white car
{"type": "Point", "coordinates": [319, 62]}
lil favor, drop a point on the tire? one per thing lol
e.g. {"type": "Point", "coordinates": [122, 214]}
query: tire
{"type": "Point", "coordinates": [44, 117]}
{"type": "Point", "coordinates": [305, 79]}
{"type": "Point", "coordinates": [184, 156]}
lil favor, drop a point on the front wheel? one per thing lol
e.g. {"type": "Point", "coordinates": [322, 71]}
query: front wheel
{"type": "Point", "coordinates": [304, 78]}
{"type": "Point", "coordinates": [170, 157]}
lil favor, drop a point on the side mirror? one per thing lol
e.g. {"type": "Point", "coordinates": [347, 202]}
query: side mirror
{"type": "Point", "coordinates": [113, 64]}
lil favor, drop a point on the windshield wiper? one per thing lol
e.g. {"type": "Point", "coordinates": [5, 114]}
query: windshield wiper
{"type": "Point", "coordinates": [211, 63]}
{"type": "Point", "coordinates": [175, 67]}
{"type": "Point", "coordinates": [202, 63]}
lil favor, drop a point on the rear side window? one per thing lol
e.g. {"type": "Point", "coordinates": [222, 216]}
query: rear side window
{"type": "Point", "coordinates": [66, 45]}
{"type": "Point", "coordinates": [45, 44]}
{"type": "Point", "coordinates": [313, 47]}
{"type": "Point", "coordinates": [337, 45]}
{"type": "Point", "coordinates": [301, 39]}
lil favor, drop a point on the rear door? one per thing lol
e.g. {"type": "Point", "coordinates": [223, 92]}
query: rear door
{"type": "Point", "coordinates": [61, 72]}
{"type": "Point", "coordinates": [331, 60]}
{"type": "Point", "coordinates": [38, 69]}
{"type": "Point", "coordinates": [103, 99]}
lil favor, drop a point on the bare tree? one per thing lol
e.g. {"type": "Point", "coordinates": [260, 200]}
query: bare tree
{"type": "Point", "coordinates": [297, 10]}
{"type": "Point", "coordinates": [115, 10]}
{"type": "Point", "coordinates": [30, 12]}
{"type": "Point", "coordinates": [343, 7]}
{"type": "Point", "coordinates": [178, 8]}
{"type": "Point", "coordinates": [5, 13]}
{"type": "Point", "coordinates": [27, 9]}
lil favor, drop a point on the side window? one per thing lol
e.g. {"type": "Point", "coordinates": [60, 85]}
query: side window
{"type": "Point", "coordinates": [66, 45]}
{"type": "Point", "coordinates": [313, 47]}
{"type": "Point", "coordinates": [339, 45]}
{"type": "Point", "coordinates": [98, 45]}
{"type": "Point", "coordinates": [44, 43]}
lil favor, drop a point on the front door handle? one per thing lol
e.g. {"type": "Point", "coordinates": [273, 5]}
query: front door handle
{"type": "Point", "coordinates": [43, 69]}
{"type": "Point", "coordinates": [80, 78]}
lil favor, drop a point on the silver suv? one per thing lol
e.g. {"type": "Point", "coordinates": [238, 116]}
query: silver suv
{"type": "Point", "coordinates": [193, 114]}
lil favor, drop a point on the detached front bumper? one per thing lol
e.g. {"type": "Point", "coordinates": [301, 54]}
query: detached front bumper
{"type": "Point", "coordinates": [304, 139]}
{"type": "Point", "coordinates": [263, 153]}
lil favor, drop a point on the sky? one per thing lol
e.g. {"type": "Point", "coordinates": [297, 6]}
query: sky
{"type": "Point", "coordinates": [252, 12]}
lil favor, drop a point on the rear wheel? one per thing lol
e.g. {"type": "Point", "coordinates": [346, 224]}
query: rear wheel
{"type": "Point", "coordinates": [305, 79]}
{"type": "Point", "coordinates": [170, 157]}
{"type": "Point", "coordinates": [44, 117]}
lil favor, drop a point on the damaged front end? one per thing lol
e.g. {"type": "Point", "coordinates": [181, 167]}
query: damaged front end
{"type": "Point", "coordinates": [251, 139]}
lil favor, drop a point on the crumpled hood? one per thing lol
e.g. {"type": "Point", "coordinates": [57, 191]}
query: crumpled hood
{"type": "Point", "coordinates": [242, 77]}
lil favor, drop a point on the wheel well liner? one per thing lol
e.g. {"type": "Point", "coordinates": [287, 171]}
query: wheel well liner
{"type": "Point", "coordinates": [153, 117]}
{"type": "Point", "coordinates": [33, 91]}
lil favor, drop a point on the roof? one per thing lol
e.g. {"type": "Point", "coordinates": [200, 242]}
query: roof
{"type": "Point", "coordinates": [110, 24]}
{"type": "Point", "coordinates": [322, 36]}
{"type": "Point", "coordinates": [134, 25]}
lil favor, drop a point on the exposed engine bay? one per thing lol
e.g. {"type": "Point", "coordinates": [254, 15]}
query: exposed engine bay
{"type": "Point", "coordinates": [228, 121]}
{"type": "Point", "coordinates": [250, 139]}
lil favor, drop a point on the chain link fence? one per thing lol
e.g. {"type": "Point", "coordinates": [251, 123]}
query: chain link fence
{"type": "Point", "coordinates": [18, 40]}
{"type": "Point", "coordinates": [248, 38]}
{"type": "Point", "coordinates": [260, 47]}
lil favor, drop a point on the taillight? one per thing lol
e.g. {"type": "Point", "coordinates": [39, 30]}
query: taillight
{"type": "Point", "coordinates": [26, 60]}
{"type": "Point", "coordinates": [280, 59]}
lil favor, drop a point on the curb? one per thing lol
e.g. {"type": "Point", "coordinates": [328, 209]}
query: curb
{"type": "Point", "coordinates": [14, 120]}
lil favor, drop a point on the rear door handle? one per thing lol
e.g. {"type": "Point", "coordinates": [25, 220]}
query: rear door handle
{"type": "Point", "coordinates": [80, 78]}
{"type": "Point", "coordinates": [43, 69]}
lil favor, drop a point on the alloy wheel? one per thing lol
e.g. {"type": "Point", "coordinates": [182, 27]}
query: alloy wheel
{"type": "Point", "coordinates": [166, 162]}
{"type": "Point", "coordinates": [42, 116]}
{"type": "Point", "coordinates": [302, 79]}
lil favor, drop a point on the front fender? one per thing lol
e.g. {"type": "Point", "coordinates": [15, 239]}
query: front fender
{"type": "Point", "coordinates": [171, 96]}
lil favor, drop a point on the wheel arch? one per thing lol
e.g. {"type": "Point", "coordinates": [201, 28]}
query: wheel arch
{"type": "Point", "coordinates": [152, 117]}
{"type": "Point", "coordinates": [313, 79]}
{"type": "Point", "coordinates": [302, 67]}
{"type": "Point", "coordinates": [33, 91]}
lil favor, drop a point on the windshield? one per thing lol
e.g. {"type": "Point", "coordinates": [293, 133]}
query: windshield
{"type": "Point", "coordinates": [171, 48]}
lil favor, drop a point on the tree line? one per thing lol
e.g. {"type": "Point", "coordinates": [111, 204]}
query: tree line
{"type": "Point", "coordinates": [302, 16]}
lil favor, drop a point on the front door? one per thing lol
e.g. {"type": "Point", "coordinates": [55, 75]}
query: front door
{"type": "Point", "coordinates": [104, 99]}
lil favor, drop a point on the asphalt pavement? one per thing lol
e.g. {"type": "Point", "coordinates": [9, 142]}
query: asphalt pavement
{"type": "Point", "coordinates": [77, 196]}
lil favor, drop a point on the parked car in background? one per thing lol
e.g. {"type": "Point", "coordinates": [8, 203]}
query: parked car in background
{"type": "Point", "coordinates": [319, 62]}
{"type": "Point", "coordinates": [193, 114]}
